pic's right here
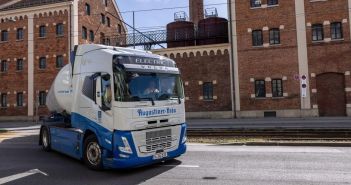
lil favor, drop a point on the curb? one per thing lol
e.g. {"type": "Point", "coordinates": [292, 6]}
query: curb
{"type": "Point", "coordinates": [322, 144]}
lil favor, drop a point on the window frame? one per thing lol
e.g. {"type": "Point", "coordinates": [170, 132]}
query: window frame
{"type": "Point", "coordinates": [4, 66]}
{"type": "Point", "coordinates": [42, 31]}
{"type": "Point", "coordinates": [207, 91]}
{"type": "Point", "coordinates": [19, 99]}
{"type": "Point", "coordinates": [3, 103]}
{"type": "Point", "coordinates": [253, 4]}
{"type": "Point", "coordinates": [103, 19]}
{"type": "Point", "coordinates": [257, 93]}
{"type": "Point", "coordinates": [317, 29]}
{"type": "Point", "coordinates": [269, 2]}
{"type": "Point", "coordinates": [84, 33]}
{"type": "Point", "coordinates": [59, 61]}
{"type": "Point", "coordinates": [276, 92]}
{"type": "Point", "coordinates": [4, 36]}
{"type": "Point", "coordinates": [60, 30]}
{"type": "Point", "coordinates": [254, 39]}
{"type": "Point", "coordinates": [272, 36]}
{"type": "Point", "coordinates": [87, 9]}
{"type": "Point", "coordinates": [333, 31]}
{"type": "Point", "coordinates": [42, 98]}
{"type": "Point", "coordinates": [91, 36]}
{"type": "Point", "coordinates": [18, 66]}
{"type": "Point", "coordinates": [41, 66]}
{"type": "Point", "coordinates": [108, 20]}
{"type": "Point", "coordinates": [19, 34]}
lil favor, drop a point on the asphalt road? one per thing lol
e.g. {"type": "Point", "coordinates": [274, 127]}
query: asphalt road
{"type": "Point", "coordinates": [202, 164]}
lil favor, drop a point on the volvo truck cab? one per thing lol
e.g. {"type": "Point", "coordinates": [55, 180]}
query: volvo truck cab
{"type": "Point", "coordinates": [116, 108]}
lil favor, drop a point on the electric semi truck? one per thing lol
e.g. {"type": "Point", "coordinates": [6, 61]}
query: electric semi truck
{"type": "Point", "coordinates": [116, 108]}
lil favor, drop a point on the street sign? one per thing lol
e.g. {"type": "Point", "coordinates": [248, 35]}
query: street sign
{"type": "Point", "coordinates": [303, 86]}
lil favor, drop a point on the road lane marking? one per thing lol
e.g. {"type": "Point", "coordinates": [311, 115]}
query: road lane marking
{"type": "Point", "coordinates": [182, 166]}
{"type": "Point", "coordinates": [261, 149]}
{"type": "Point", "coordinates": [17, 134]}
{"type": "Point", "coordinates": [21, 175]}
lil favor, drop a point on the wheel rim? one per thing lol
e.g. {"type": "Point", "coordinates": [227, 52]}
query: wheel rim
{"type": "Point", "coordinates": [45, 139]}
{"type": "Point", "coordinates": [93, 153]}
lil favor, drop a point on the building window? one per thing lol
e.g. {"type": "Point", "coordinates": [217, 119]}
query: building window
{"type": "Point", "coordinates": [208, 90]}
{"type": "Point", "coordinates": [42, 31]}
{"type": "Point", "coordinates": [272, 2]}
{"type": "Point", "coordinates": [4, 66]}
{"type": "Point", "coordinates": [59, 61]}
{"type": "Point", "coordinates": [91, 35]}
{"type": "Point", "coordinates": [19, 66]}
{"type": "Point", "coordinates": [4, 36]}
{"type": "Point", "coordinates": [59, 29]}
{"type": "Point", "coordinates": [103, 19]}
{"type": "Point", "coordinates": [19, 99]}
{"type": "Point", "coordinates": [42, 98]}
{"type": "Point", "coordinates": [336, 30]}
{"type": "Point", "coordinates": [119, 28]}
{"type": "Point", "coordinates": [274, 36]}
{"type": "Point", "coordinates": [277, 88]}
{"type": "Point", "coordinates": [105, 2]}
{"type": "Point", "coordinates": [102, 38]}
{"type": "Point", "coordinates": [108, 21]}
{"type": "Point", "coordinates": [255, 3]}
{"type": "Point", "coordinates": [20, 35]}
{"type": "Point", "coordinates": [87, 9]}
{"type": "Point", "coordinates": [84, 33]}
{"type": "Point", "coordinates": [107, 41]}
{"type": "Point", "coordinates": [317, 32]}
{"type": "Point", "coordinates": [3, 100]}
{"type": "Point", "coordinates": [257, 38]}
{"type": "Point", "coordinates": [260, 88]}
{"type": "Point", "coordinates": [42, 63]}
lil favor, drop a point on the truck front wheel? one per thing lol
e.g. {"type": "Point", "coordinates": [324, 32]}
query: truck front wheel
{"type": "Point", "coordinates": [92, 153]}
{"type": "Point", "coordinates": [45, 139]}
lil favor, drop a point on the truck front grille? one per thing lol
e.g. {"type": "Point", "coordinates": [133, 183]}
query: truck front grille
{"type": "Point", "coordinates": [160, 139]}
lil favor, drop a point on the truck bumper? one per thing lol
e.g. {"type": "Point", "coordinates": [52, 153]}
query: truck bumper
{"type": "Point", "coordinates": [122, 160]}
{"type": "Point", "coordinates": [134, 162]}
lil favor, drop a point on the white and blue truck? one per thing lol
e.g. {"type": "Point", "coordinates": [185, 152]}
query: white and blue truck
{"type": "Point", "coordinates": [116, 108]}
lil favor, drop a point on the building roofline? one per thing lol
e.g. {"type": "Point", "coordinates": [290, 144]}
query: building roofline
{"type": "Point", "coordinates": [119, 15]}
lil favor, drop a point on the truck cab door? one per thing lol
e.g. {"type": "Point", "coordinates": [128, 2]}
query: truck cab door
{"type": "Point", "coordinates": [103, 101]}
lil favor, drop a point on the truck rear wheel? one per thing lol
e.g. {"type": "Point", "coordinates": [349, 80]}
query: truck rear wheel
{"type": "Point", "coordinates": [92, 153]}
{"type": "Point", "coordinates": [45, 139]}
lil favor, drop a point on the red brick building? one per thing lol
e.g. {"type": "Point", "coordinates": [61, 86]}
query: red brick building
{"type": "Point", "coordinates": [276, 43]}
{"type": "Point", "coordinates": [36, 37]}
{"type": "Point", "coordinates": [291, 58]}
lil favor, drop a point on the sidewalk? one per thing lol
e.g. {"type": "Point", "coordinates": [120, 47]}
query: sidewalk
{"type": "Point", "coordinates": [272, 123]}
{"type": "Point", "coordinates": [16, 124]}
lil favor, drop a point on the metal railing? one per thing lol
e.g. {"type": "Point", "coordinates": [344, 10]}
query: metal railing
{"type": "Point", "coordinates": [151, 38]}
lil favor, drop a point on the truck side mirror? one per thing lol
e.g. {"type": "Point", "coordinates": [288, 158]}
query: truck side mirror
{"type": "Point", "coordinates": [98, 91]}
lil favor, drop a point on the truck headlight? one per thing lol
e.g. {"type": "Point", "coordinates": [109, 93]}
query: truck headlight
{"type": "Point", "coordinates": [184, 137]}
{"type": "Point", "coordinates": [126, 148]}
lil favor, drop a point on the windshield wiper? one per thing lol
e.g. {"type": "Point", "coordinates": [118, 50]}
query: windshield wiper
{"type": "Point", "coordinates": [151, 99]}
{"type": "Point", "coordinates": [178, 97]}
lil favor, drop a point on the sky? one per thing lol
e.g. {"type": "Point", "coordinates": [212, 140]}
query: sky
{"type": "Point", "coordinates": [158, 19]}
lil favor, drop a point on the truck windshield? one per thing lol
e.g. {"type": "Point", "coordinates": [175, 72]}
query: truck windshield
{"type": "Point", "coordinates": [140, 86]}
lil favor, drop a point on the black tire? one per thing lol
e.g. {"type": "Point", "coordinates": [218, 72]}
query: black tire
{"type": "Point", "coordinates": [92, 153]}
{"type": "Point", "coordinates": [45, 139]}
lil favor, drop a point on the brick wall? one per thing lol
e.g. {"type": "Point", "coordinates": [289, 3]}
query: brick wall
{"type": "Point", "coordinates": [199, 67]}
{"type": "Point", "coordinates": [58, 45]}
{"type": "Point", "coordinates": [14, 81]}
{"type": "Point", "coordinates": [92, 22]}
{"type": "Point", "coordinates": [269, 61]}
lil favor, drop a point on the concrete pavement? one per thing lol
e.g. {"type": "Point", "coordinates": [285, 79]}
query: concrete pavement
{"type": "Point", "coordinates": [268, 123]}
{"type": "Point", "coordinates": [202, 164]}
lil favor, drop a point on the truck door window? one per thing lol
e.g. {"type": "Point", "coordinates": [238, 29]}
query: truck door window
{"type": "Point", "coordinates": [106, 92]}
